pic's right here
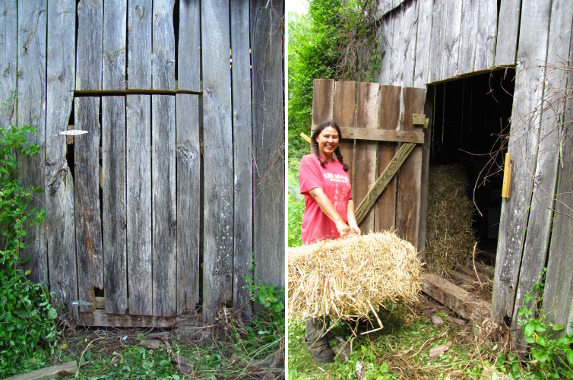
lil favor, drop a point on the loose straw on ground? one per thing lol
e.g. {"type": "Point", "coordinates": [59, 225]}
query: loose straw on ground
{"type": "Point", "coordinates": [349, 277]}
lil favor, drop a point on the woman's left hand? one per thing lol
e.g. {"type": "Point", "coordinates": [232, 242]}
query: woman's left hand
{"type": "Point", "coordinates": [354, 229]}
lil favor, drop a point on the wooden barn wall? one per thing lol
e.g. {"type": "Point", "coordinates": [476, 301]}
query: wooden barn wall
{"type": "Point", "coordinates": [431, 41]}
{"type": "Point", "coordinates": [179, 181]}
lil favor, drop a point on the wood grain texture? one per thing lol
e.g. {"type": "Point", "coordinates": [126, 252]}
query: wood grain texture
{"type": "Point", "coordinates": [163, 45]}
{"type": "Point", "coordinates": [89, 58]}
{"type": "Point", "coordinates": [114, 217]}
{"type": "Point", "coordinates": [139, 43]}
{"type": "Point", "coordinates": [138, 163]}
{"type": "Point", "coordinates": [322, 101]}
{"type": "Point", "coordinates": [452, 21]}
{"type": "Point", "coordinates": [383, 135]}
{"type": "Point", "coordinates": [218, 163]}
{"type": "Point", "coordinates": [523, 145]}
{"type": "Point", "coordinates": [410, 24]}
{"type": "Point", "coordinates": [8, 60]}
{"type": "Point", "coordinates": [387, 32]}
{"type": "Point", "coordinates": [114, 74]}
{"type": "Point", "coordinates": [397, 56]}
{"type": "Point", "coordinates": [429, 112]}
{"type": "Point", "coordinates": [423, 34]}
{"type": "Point", "coordinates": [243, 151]}
{"type": "Point", "coordinates": [189, 56]}
{"type": "Point", "coordinates": [188, 202]}
{"type": "Point", "coordinates": [486, 33]}
{"type": "Point", "coordinates": [267, 36]}
{"type": "Point", "coordinates": [409, 187]}
{"type": "Point", "coordinates": [344, 116]}
{"type": "Point", "coordinates": [163, 201]}
{"type": "Point", "coordinates": [389, 117]}
{"type": "Point", "coordinates": [507, 32]}
{"type": "Point", "coordinates": [59, 185]}
{"type": "Point", "coordinates": [31, 105]}
{"type": "Point", "coordinates": [468, 36]}
{"type": "Point", "coordinates": [437, 41]}
{"type": "Point", "coordinates": [365, 169]}
{"type": "Point", "coordinates": [87, 200]}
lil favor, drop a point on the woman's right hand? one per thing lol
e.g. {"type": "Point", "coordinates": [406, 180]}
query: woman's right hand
{"type": "Point", "coordinates": [343, 228]}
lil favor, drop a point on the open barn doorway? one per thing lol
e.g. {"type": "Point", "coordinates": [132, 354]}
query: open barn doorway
{"type": "Point", "coordinates": [471, 119]}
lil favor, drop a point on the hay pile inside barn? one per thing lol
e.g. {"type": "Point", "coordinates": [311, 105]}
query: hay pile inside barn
{"type": "Point", "coordinates": [450, 238]}
{"type": "Point", "coordinates": [349, 277]}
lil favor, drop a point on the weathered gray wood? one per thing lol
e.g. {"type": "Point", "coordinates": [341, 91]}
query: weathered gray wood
{"type": "Point", "coordinates": [114, 44]}
{"type": "Point", "coordinates": [523, 145]}
{"type": "Point", "coordinates": [217, 134]}
{"type": "Point", "coordinates": [344, 104]}
{"type": "Point", "coordinates": [189, 57]}
{"type": "Point", "coordinates": [410, 24]}
{"type": "Point", "coordinates": [397, 51]}
{"type": "Point", "coordinates": [322, 101]}
{"type": "Point", "coordinates": [164, 213]}
{"type": "Point", "coordinates": [437, 46]}
{"type": "Point", "coordinates": [114, 219]}
{"type": "Point", "coordinates": [163, 63]}
{"type": "Point", "coordinates": [387, 32]}
{"type": "Point", "coordinates": [389, 118]}
{"type": "Point", "coordinates": [486, 33]}
{"type": "Point", "coordinates": [243, 150]}
{"type": "Point", "coordinates": [269, 140]}
{"type": "Point", "coordinates": [89, 45]}
{"type": "Point", "coordinates": [429, 112]}
{"type": "Point", "coordinates": [101, 318]}
{"type": "Point", "coordinates": [8, 60]}
{"type": "Point", "coordinates": [87, 200]}
{"type": "Point", "coordinates": [139, 43]}
{"type": "Point", "coordinates": [424, 30]}
{"type": "Point", "coordinates": [507, 32]}
{"type": "Point", "coordinates": [365, 170]}
{"type": "Point", "coordinates": [188, 201]}
{"type": "Point", "coordinates": [452, 20]}
{"type": "Point", "coordinates": [468, 36]}
{"type": "Point", "coordinates": [384, 135]}
{"type": "Point", "coordinates": [32, 29]}
{"type": "Point", "coordinates": [59, 186]}
{"type": "Point", "coordinates": [138, 161]}
{"type": "Point", "coordinates": [409, 185]}
{"type": "Point", "coordinates": [65, 369]}
{"type": "Point", "coordinates": [558, 282]}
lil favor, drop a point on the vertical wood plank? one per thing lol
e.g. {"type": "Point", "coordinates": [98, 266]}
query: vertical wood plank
{"type": "Point", "coordinates": [114, 220]}
{"type": "Point", "coordinates": [59, 185]}
{"type": "Point", "coordinates": [437, 46]}
{"type": "Point", "coordinates": [467, 51]}
{"type": "Point", "coordinates": [452, 21]}
{"type": "Point", "coordinates": [507, 32]}
{"type": "Point", "coordinates": [31, 105]}
{"type": "Point", "coordinates": [523, 146]}
{"type": "Point", "coordinates": [267, 20]}
{"type": "Point", "coordinates": [322, 101]}
{"type": "Point", "coordinates": [163, 62]}
{"type": "Point", "coordinates": [138, 161]}
{"type": "Point", "coordinates": [344, 107]}
{"type": "Point", "coordinates": [409, 42]}
{"type": "Point", "coordinates": [389, 118]}
{"type": "Point", "coordinates": [559, 285]}
{"type": "Point", "coordinates": [397, 56]}
{"type": "Point", "coordinates": [114, 44]}
{"type": "Point", "coordinates": [218, 140]}
{"type": "Point", "coordinates": [164, 217]}
{"type": "Point", "coordinates": [386, 46]}
{"type": "Point", "coordinates": [429, 112]}
{"type": "Point", "coordinates": [243, 150]}
{"type": "Point", "coordinates": [423, 38]}
{"type": "Point", "coordinates": [139, 53]}
{"type": "Point", "coordinates": [89, 45]}
{"type": "Point", "coordinates": [486, 32]}
{"type": "Point", "coordinates": [188, 201]}
{"type": "Point", "coordinates": [408, 197]}
{"type": "Point", "coordinates": [365, 157]}
{"type": "Point", "coordinates": [8, 60]}
{"type": "Point", "coordinates": [189, 57]}
{"type": "Point", "coordinates": [87, 200]}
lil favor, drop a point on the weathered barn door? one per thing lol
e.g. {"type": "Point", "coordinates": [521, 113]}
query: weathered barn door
{"type": "Point", "coordinates": [378, 130]}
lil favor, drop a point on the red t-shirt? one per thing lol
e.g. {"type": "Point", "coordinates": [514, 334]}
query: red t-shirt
{"type": "Point", "coordinates": [336, 185]}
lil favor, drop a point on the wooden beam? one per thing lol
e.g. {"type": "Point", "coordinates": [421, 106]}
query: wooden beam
{"type": "Point", "coordinates": [65, 369]}
{"type": "Point", "coordinates": [383, 181]}
{"type": "Point", "coordinates": [101, 318]}
{"type": "Point", "coordinates": [416, 137]}
{"type": "Point", "coordinates": [456, 298]}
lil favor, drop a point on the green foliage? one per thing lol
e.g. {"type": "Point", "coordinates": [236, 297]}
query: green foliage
{"type": "Point", "coordinates": [295, 207]}
{"type": "Point", "coordinates": [336, 39]}
{"type": "Point", "coordinates": [551, 349]}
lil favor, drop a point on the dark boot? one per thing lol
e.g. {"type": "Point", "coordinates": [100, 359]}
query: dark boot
{"type": "Point", "coordinates": [317, 341]}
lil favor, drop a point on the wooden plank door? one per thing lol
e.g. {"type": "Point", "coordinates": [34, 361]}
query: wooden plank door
{"type": "Point", "coordinates": [375, 120]}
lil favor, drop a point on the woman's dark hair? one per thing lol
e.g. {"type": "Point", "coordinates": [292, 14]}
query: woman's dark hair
{"type": "Point", "coordinates": [317, 131]}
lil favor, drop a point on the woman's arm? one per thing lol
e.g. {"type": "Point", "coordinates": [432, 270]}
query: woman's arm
{"type": "Point", "coordinates": [352, 217]}
{"type": "Point", "coordinates": [328, 209]}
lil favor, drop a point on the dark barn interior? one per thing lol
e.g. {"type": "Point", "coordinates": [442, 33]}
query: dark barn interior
{"type": "Point", "coordinates": [471, 119]}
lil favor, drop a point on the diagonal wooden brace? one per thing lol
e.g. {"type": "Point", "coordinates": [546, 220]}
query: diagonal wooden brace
{"type": "Point", "coordinates": [383, 181]}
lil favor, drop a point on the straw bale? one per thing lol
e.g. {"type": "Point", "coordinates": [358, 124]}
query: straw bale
{"type": "Point", "coordinates": [450, 238]}
{"type": "Point", "coordinates": [349, 277]}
